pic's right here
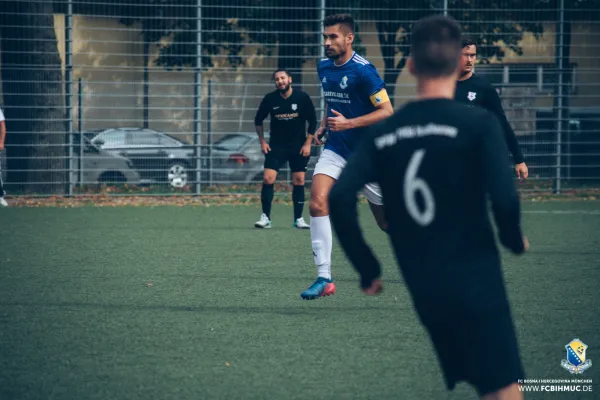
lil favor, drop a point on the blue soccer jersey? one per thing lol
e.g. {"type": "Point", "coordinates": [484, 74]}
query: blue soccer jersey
{"type": "Point", "coordinates": [353, 89]}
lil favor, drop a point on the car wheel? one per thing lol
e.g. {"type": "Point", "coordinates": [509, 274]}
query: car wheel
{"type": "Point", "coordinates": [177, 175]}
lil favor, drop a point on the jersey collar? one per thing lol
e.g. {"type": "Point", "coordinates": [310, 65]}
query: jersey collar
{"type": "Point", "coordinates": [341, 65]}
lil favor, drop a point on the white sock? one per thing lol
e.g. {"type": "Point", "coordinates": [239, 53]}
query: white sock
{"type": "Point", "coordinates": [321, 236]}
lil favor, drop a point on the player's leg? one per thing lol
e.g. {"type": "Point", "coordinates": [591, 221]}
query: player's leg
{"type": "Point", "coordinates": [298, 200]}
{"type": "Point", "coordinates": [272, 165]}
{"type": "Point", "coordinates": [462, 326]}
{"type": "Point", "coordinates": [498, 368]}
{"type": "Point", "coordinates": [327, 170]}
{"type": "Point", "coordinates": [462, 346]}
{"type": "Point", "coordinates": [321, 237]}
{"type": "Point", "coordinates": [372, 192]}
{"type": "Point", "coordinates": [298, 164]}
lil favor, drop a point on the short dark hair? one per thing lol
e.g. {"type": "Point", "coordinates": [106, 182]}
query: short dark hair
{"type": "Point", "coordinates": [468, 42]}
{"type": "Point", "coordinates": [281, 70]}
{"type": "Point", "coordinates": [342, 19]}
{"type": "Point", "coordinates": [435, 46]}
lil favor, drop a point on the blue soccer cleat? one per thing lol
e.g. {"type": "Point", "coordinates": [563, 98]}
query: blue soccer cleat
{"type": "Point", "coordinates": [320, 288]}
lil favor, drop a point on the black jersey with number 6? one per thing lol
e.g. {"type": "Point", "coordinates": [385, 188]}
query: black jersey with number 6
{"type": "Point", "coordinates": [437, 161]}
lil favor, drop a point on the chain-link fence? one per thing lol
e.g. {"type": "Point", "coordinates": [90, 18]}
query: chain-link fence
{"type": "Point", "coordinates": [160, 97]}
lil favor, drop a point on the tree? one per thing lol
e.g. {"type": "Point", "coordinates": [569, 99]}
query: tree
{"type": "Point", "coordinates": [32, 86]}
{"type": "Point", "coordinates": [227, 27]}
{"type": "Point", "coordinates": [489, 26]}
{"type": "Point", "coordinates": [157, 19]}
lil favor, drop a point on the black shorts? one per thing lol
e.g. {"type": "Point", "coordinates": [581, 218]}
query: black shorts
{"type": "Point", "coordinates": [481, 350]}
{"type": "Point", "coordinates": [277, 157]}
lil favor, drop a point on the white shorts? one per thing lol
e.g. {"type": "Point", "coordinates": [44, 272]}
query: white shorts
{"type": "Point", "coordinates": [331, 164]}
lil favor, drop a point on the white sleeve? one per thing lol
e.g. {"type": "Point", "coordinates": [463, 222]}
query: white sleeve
{"type": "Point", "coordinates": [1, 115]}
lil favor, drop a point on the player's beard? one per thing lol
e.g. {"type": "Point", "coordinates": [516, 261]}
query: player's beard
{"type": "Point", "coordinates": [335, 55]}
{"type": "Point", "coordinates": [465, 72]}
{"type": "Point", "coordinates": [284, 89]}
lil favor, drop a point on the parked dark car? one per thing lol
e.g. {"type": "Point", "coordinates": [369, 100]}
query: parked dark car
{"type": "Point", "coordinates": [237, 158]}
{"type": "Point", "coordinates": [155, 155]}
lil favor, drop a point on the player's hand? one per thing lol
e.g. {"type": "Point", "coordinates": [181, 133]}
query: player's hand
{"type": "Point", "coordinates": [318, 136]}
{"type": "Point", "coordinates": [305, 150]}
{"type": "Point", "coordinates": [522, 171]}
{"type": "Point", "coordinates": [1, 146]}
{"type": "Point", "coordinates": [264, 146]}
{"type": "Point", "coordinates": [338, 123]}
{"type": "Point", "coordinates": [375, 288]}
{"type": "Point", "coordinates": [525, 243]}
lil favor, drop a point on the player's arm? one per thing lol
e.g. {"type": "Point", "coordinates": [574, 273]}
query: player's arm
{"type": "Point", "coordinates": [343, 211]}
{"type": "Point", "coordinates": [371, 86]}
{"type": "Point", "coordinates": [322, 129]}
{"type": "Point", "coordinates": [311, 117]}
{"type": "Point", "coordinates": [381, 112]}
{"type": "Point", "coordinates": [261, 114]}
{"type": "Point", "coordinates": [500, 186]}
{"type": "Point", "coordinates": [494, 104]}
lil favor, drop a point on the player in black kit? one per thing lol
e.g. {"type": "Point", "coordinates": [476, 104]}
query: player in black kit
{"type": "Point", "coordinates": [474, 90]}
{"type": "Point", "coordinates": [290, 110]}
{"type": "Point", "coordinates": [436, 161]}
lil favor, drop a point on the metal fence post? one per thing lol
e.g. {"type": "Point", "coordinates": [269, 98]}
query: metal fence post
{"type": "Point", "coordinates": [198, 96]}
{"type": "Point", "coordinates": [322, 52]}
{"type": "Point", "coordinates": [559, 93]}
{"type": "Point", "coordinates": [80, 127]}
{"type": "Point", "coordinates": [209, 133]}
{"type": "Point", "coordinates": [68, 90]}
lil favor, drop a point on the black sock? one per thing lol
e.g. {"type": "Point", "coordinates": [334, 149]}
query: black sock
{"type": "Point", "coordinates": [266, 198]}
{"type": "Point", "coordinates": [298, 199]}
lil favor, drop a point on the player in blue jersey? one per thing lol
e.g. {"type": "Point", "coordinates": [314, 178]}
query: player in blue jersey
{"type": "Point", "coordinates": [355, 98]}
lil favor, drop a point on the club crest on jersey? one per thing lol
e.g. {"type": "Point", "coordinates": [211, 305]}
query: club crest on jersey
{"type": "Point", "coordinates": [324, 79]}
{"type": "Point", "coordinates": [471, 96]}
{"type": "Point", "coordinates": [344, 82]}
{"type": "Point", "coordinates": [294, 107]}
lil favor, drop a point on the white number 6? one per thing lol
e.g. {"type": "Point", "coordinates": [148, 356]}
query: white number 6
{"type": "Point", "coordinates": [412, 185]}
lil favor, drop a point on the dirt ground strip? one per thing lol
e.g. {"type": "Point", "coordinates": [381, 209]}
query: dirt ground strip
{"type": "Point", "coordinates": [207, 200]}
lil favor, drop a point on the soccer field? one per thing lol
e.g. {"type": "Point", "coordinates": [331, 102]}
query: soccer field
{"type": "Point", "coordinates": [195, 303]}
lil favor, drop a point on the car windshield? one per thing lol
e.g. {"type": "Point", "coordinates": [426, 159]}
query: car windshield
{"type": "Point", "coordinates": [111, 138]}
{"type": "Point", "coordinates": [167, 140]}
{"type": "Point", "coordinates": [232, 143]}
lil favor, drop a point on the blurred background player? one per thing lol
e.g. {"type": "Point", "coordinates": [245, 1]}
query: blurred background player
{"type": "Point", "coordinates": [355, 98]}
{"type": "Point", "coordinates": [436, 161]}
{"type": "Point", "coordinates": [474, 90]}
{"type": "Point", "coordinates": [290, 110]}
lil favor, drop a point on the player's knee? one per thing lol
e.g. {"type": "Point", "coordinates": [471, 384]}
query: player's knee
{"type": "Point", "coordinates": [318, 206]}
{"type": "Point", "coordinates": [298, 180]}
{"type": "Point", "coordinates": [269, 179]}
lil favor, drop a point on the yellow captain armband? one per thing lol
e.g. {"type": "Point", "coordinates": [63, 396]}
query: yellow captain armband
{"type": "Point", "coordinates": [379, 98]}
